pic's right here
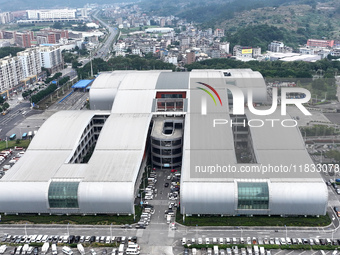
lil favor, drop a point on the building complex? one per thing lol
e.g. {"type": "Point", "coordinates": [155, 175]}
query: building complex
{"type": "Point", "coordinates": [88, 162]}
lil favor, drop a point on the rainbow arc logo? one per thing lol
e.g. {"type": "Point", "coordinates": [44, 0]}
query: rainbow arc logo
{"type": "Point", "coordinates": [209, 93]}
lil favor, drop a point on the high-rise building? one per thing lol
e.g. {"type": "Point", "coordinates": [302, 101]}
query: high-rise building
{"type": "Point", "coordinates": [23, 39]}
{"type": "Point", "coordinates": [6, 17]}
{"type": "Point", "coordinates": [50, 58]}
{"type": "Point", "coordinates": [11, 72]}
{"type": "Point", "coordinates": [30, 61]}
{"type": "Point", "coordinates": [191, 57]}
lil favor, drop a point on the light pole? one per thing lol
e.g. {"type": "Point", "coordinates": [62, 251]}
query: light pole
{"type": "Point", "coordinates": [68, 232]}
{"type": "Point", "coordinates": [111, 230]}
{"type": "Point", "coordinates": [91, 63]}
{"type": "Point", "coordinates": [241, 232]}
{"type": "Point", "coordinates": [286, 231]}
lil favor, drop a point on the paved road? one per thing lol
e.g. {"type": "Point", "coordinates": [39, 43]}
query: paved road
{"type": "Point", "coordinates": [104, 50]}
{"type": "Point", "coordinates": [13, 119]}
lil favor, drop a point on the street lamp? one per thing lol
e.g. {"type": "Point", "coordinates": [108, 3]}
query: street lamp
{"type": "Point", "coordinates": [111, 230]}
{"type": "Point", "coordinates": [286, 231]}
{"type": "Point", "coordinates": [241, 232]}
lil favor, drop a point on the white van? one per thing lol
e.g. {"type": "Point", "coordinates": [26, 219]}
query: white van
{"type": "Point", "coordinates": [133, 246]}
{"type": "Point", "coordinates": [121, 249]}
{"type": "Point", "coordinates": [67, 250]}
{"type": "Point", "coordinates": [132, 251]}
{"type": "Point", "coordinates": [54, 249]}
{"type": "Point", "coordinates": [216, 250]}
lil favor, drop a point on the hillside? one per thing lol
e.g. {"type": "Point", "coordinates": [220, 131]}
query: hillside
{"type": "Point", "coordinates": [303, 21]}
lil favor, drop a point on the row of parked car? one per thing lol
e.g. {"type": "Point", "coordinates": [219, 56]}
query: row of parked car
{"type": "Point", "coordinates": [261, 241]}
{"type": "Point", "coordinates": [65, 239]}
{"type": "Point", "coordinates": [229, 251]}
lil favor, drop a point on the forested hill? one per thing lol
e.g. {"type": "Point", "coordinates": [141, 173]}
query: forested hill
{"type": "Point", "coordinates": [257, 22]}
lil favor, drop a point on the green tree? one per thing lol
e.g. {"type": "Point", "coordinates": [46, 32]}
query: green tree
{"type": "Point", "coordinates": [5, 106]}
{"type": "Point", "coordinates": [6, 51]}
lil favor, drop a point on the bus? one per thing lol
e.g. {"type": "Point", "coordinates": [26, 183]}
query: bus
{"type": "Point", "coordinates": [12, 137]}
{"type": "Point", "coordinates": [24, 135]}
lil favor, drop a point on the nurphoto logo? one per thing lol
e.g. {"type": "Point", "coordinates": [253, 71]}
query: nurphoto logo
{"type": "Point", "coordinates": [238, 103]}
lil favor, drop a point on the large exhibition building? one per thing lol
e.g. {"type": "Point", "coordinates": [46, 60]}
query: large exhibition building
{"type": "Point", "coordinates": [92, 161]}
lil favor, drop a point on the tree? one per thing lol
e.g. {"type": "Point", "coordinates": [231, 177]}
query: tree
{"type": "Point", "coordinates": [5, 106]}
{"type": "Point", "coordinates": [6, 51]}
{"type": "Point", "coordinates": [57, 25]}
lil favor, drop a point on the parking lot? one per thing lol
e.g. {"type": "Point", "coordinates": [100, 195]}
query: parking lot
{"type": "Point", "coordinates": [254, 245]}
{"type": "Point", "coordinates": [49, 244]}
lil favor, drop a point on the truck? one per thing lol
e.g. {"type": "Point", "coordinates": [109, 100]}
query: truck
{"type": "Point", "coordinates": [54, 249]}
{"type": "Point", "coordinates": [45, 248]}
{"type": "Point", "coordinates": [25, 249]}
{"type": "Point", "coordinates": [3, 248]}
{"type": "Point", "coordinates": [81, 249]}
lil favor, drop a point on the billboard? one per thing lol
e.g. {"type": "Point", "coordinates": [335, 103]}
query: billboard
{"type": "Point", "coordinates": [247, 51]}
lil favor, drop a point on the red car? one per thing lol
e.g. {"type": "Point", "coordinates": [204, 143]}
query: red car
{"type": "Point", "coordinates": [173, 170]}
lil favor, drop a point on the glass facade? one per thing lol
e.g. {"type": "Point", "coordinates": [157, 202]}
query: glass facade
{"type": "Point", "coordinates": [253, 195]}
{"type": "Point", "coordinates": [63, 195]}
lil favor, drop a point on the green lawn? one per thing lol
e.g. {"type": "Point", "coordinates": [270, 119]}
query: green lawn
{"type": "Point", "coordinates": [100, 219]}
{"type": "Point", "coordinates": [12, 144]}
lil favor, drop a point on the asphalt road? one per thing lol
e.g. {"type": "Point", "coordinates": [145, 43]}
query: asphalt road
{"type": "Point", "coordinates": [13, 119]}
{"type": "Point", "coordinates": [104, 50]}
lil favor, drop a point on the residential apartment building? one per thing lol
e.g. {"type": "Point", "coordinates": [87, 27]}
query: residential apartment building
{"type": "Point", "coordinates": [11, 73]}
{"type": "Point", "coordinates": [6, 17]}
{"type": "Point", "coordinates": [23, 39]}
{"type": "Point", "coordinates": [219, 32]}
{"type": "Point", "coordinates": [276, 46]}
{"type": "Point", "coordinates": [191, 57]}
{"type": "Point", "coordinates": [30, 61]}
{"type": "Point", "coordinates": [50, 58]}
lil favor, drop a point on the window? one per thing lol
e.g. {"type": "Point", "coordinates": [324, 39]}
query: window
{"type": "Point", "coordinates": [253, 195]}
{"type": "Point", "coordinates": [63, 195]}
{"type": "Point", "coordinates": [171, 96]}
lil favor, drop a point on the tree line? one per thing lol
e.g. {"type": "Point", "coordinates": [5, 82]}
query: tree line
{"type": "Point", "coordinates": [131, 62]}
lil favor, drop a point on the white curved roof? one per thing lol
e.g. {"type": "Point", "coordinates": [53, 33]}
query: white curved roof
{"type": "Point", "coordinates": [62, 130]}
